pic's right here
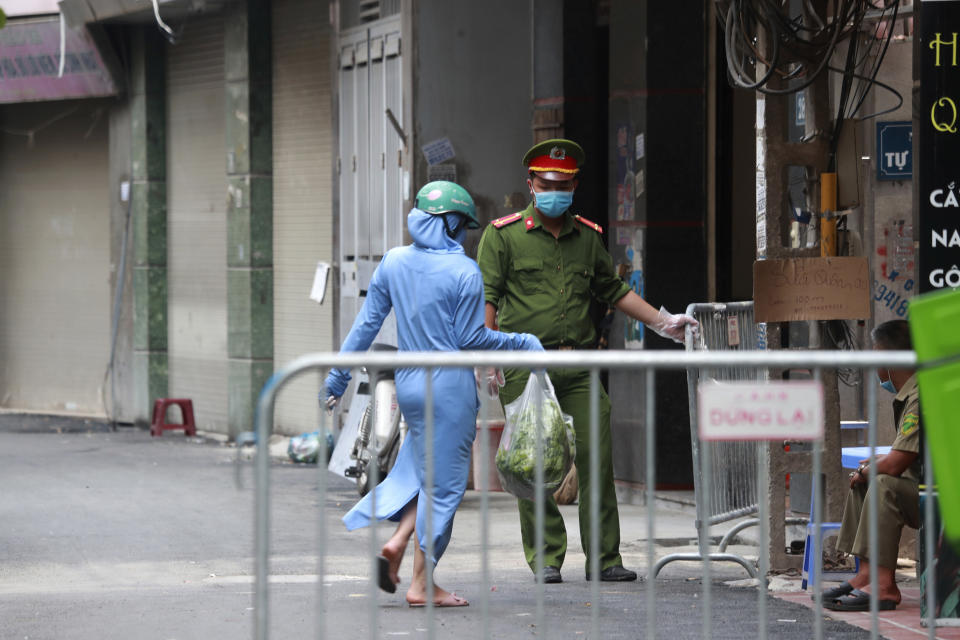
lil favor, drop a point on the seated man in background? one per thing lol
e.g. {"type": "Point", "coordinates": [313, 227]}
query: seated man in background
{"type": "Point", "coordinates": [896, 479]}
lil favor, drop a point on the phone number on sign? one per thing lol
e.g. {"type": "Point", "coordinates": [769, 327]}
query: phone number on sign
{"type": "Point", "coordinates": [897, 302]}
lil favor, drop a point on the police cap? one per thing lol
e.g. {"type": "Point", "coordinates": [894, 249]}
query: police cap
{"type": "Point", "coordinates": [555, 159]}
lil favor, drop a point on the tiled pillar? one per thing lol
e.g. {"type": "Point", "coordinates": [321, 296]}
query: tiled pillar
{"type": "Point", "coordinates": [149, 207]}
{"type": "Point", "coordinates": [249, 150]}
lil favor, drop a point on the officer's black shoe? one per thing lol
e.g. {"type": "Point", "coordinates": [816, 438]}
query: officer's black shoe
{"type": "Point", "coordinates": [551, 575]}
{"type": "Point", "coordinates": [616, 573]}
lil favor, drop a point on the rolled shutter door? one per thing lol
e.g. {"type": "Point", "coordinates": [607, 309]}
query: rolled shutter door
{"type": "Point", "coordinates": [302, 214]}
{"type": "Point", "coordinates": [196, 221]}
{"type": "Point", "coordinates": [55, 298]}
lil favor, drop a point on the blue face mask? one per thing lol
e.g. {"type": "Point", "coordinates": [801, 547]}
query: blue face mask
{"type": "Point", "coordinates": [887, 385]}
{"type": "Point", "coordinates": [553, 204]}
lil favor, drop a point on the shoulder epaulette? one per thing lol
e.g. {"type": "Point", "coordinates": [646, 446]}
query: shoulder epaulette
{"type": "Point", "coordinates": [499, 223]}
{"type": "Point", "coordinates": [588, 223]}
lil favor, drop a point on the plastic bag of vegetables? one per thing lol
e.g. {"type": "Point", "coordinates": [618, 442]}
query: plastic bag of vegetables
{"type": "Point", "coordinates": [517, 453]}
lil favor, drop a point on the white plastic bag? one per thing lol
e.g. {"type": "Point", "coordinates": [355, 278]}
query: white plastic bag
{"type": "Point", "coordinates": [305, 448]}
{"type": "Point", "coordinates": [516, 455]}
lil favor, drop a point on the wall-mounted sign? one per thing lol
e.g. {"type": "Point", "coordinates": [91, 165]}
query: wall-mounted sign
{"type": "Point", "coordinates": [30, 63]}
{"type": "Point", "coordinates": [438, 151]}
{"type": "Point", "coordinates": [939, 131]}
{"type": "Point", "coordinates": [894, 150]}
{"type": "Point", "coordinates": [811, 289]}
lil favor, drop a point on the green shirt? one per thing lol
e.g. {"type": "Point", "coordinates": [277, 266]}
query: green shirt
{"type": "Point", "coordinates": [906, 412]}
{"type": "Point", "coordinates": [543, 285]}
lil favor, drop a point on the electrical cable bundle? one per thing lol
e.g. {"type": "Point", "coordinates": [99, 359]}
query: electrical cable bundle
{"type": "Point", "coordinates": [856, 86]}
{"type": "Point", "coordinates": [839, 335]}
{"type": "Point", "coordinates": [775, 53]}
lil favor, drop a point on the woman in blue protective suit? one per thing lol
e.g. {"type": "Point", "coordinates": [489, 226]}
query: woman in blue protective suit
{"type": "Point", "coordinates": [436, 292]}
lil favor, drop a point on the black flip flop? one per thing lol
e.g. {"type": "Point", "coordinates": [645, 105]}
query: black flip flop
{"type": "Point", "coordinates": [857, 600]}
{"type": "Point", "coordinates": [834, 592]}
{"type": "Point", "coordinates": [383, 575]}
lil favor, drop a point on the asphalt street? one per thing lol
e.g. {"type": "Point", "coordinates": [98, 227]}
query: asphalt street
{"type": "Point", "coordinates": [117, 535]}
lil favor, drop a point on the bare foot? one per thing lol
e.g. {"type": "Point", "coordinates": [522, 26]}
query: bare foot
{"type": "Point", "coordinates": [886, 589]}
{"type": "Point", "coordinates": [417, 597]}
{"type": "Point", "coordinates": [859, 582]}
{"type": "Point", "coordinates": [394, 555]}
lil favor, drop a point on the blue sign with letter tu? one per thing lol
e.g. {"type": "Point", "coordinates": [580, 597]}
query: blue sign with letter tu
{"type": "Point", "coordinates": [895, 150]}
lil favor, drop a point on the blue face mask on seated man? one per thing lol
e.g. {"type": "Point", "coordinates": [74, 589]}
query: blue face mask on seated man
{"type": "Point", "coordinates": [553, 204]}
{"type": "Point", "coordinates": [887, 385]}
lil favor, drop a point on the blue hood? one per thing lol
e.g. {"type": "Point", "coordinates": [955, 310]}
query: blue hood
{"type": "Point", "coordinates": [428, 232]}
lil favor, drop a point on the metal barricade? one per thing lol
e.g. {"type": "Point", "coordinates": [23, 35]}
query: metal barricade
{"type": "Point", "coordinates": [730, 491]}
{"type": "Point", "coordinates": [701, 360]}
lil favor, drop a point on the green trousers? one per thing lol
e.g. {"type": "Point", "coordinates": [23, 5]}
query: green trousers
{"type": "Point", "coordinates": [898, 504]}
{"type": "Point", "coordinates": [573, 392]}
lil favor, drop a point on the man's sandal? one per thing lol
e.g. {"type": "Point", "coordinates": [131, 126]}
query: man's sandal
{"type": "Point", "coordinates": [835, 592]}
{"type": "Point", "coordinates": [858, 601]}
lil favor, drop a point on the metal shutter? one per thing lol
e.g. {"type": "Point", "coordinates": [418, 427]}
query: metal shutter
{"type": "Point", "coordinates": [197, 221]}
{"type": "Point", "coordinates": [55, 298]}
{"type": "Point", "coordinates": [372, 219]}
{"type": "Point", "coordinates": [302, 204]}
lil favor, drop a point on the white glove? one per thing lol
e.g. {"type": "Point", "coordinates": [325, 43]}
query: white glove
{"type": "Point", "coordinates": [672, 326]}
{"type": "Point", "coordinates": [489, 380]}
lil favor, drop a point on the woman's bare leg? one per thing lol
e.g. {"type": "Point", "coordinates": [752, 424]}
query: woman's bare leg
{"type": "Point", "coordinates": [395, 547]}
{"type": "Point", "coordinates": [417, 593]}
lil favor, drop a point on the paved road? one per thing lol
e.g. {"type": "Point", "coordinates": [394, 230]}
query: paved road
{"type": "Point", "coordinates": [109, 535]}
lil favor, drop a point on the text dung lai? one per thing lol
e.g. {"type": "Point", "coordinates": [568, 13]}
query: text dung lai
{"type": "Point", "coordinates": [760, 410]}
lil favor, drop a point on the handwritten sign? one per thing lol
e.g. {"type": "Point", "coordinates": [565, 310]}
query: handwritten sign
{"type": "Point", "coordinates": [811, 289]}
{"type": "Point", "coordinates": [760, 411]}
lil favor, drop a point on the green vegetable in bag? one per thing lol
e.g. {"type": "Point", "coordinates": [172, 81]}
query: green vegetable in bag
{"type": "Point", "coordinates": [517, 455]}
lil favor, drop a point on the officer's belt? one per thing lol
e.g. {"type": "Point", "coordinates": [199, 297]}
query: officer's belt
{"type": "Point", "coordinates": [563, 347]}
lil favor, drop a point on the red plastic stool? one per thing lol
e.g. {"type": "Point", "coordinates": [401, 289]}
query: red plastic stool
{"type": "Point", "coordinates": [159, 423]}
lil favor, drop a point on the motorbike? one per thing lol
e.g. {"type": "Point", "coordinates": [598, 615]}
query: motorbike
{"type": "Point", "coordinates": [380, 432]}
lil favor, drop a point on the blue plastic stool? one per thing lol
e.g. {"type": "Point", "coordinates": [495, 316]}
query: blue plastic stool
{"type": "Point", "coordinates": [826, 530]}
{"type": "Point", "coordinates": [809, 569]}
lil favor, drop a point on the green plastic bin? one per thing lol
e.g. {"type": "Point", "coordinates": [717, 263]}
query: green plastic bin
{"type": "Point", "coordinates": [935, 329]}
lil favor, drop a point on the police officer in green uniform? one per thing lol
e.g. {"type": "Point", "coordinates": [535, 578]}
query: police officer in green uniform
{"type": "Point", "coordinates": [541, 267]}
{"type": "Point", "coordinates": [896, 480]}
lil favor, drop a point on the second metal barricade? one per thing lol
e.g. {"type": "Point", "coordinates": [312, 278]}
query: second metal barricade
{"type": "Point", "coordinates": [730, 490]}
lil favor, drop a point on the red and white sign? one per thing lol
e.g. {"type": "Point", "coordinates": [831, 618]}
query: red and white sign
{"type": "Point", "coordinates": [760, 410]}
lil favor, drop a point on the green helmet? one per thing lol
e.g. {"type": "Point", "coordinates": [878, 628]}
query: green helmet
{"type": "Point", "coordinates": [441, 196]}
